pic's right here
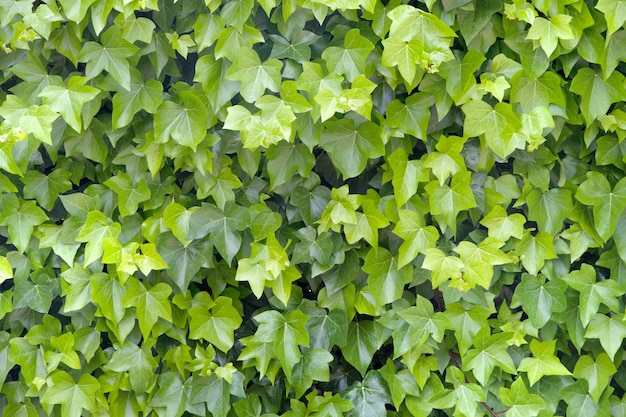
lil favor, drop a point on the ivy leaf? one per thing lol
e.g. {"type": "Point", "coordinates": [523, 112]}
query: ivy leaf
{"type": "Point", "coordinates": [549, 32]}
{"type": "Point", "coordinates": [94, 232]}
{"type": "Point", "coordinates": [287, 333]}
{"type": "Point", "coordinates": [503, 226]}
{"type": "Point", "coordinates": [540, 299]}
{"type": "Point", "coordinates": [499, 125]}
{"type": "Point", "coordinates": [285, 159]}
{"type": "Point", "coordinates": [150, 303]}
{"type": "Point", "coordinates": [185, 123]}
{"type": "Point", "coordinates": [521, 403]}
{"type": "Point", "coordinates": [183, 261]}
{"type": "Point", "coordinates": [327, 329]}
{"type": "Point", "coordinates": [448, 201]}
{"type": "Point", "coordinates": [255, 76]}
{"type": "Point", "coordinates": [368, 396]}
{"type": "Point", "coordinates": [403, 54]}
{"type": "Point", "coordinates": [543, 362]}
{"type": "Point", "coordinates": [549, 209]}
{"type": "Point", "coordinates": [141, 95]}
{"type": "Point", "coordinates": [46, 188]}
{"type": "Point", "coordinates": [112, 55]}
{"type": "Point", "coordinates": [368, 222]}
{"type": "Point", "coordinates": [596, 94]}
{"type": "Point", "coordinates": [312, 366]}
{"type": "Point", "coordinates": [608, 204]}
{"type": "Point", "coordinates": [535, 250]}
{"type": "Point", "coordinates": [412, 116]}
{"type": "Point", "coordinates": [489, 351]}
{"type": "Point", "coordinates": [216, 326]}
{"type": "Point", "coordinates": [36, 293]}
{"type": "Point", "coordinates": [21, 217]}
{"type": "Point", "coordinates": [361, 142]}
{"type": "Point", "coordinates": [615, 14]}
{"type": "Point", "coordinates": [130, 195]}
{"type": "Point", "coordinates": [386, 279]}
{"type": "Point", "coordinates": [108, 294]}
{"type": "Point", "coordinates": [443, 267]}
{"type": "Point", "coordinates": [597, 373]}
{"type": "Point", "coordinates": [418, 237]}
{"type": "Point", "coordinates": [351, 59]}
{"type": "Point", "coordinates": [73, 396]}
{"type": "Point", "coordinates": [592, 292]}
{"type": "Point", "coordinates": [215, 392]}
{"type": "Point", "coordinates": [75, 11]}
{"type": "Point", "coordinates": [138, 362]}
{"type": "Point", "coordinates": [400, 383]}
{"type": "Point", "coordinates": [69, 100]}
{"type": "Point", "coordinates": [609, 330]}
{"type": "Point", "coordinates": [362, 344]}
{"type": "Point", "coordinates": [459, 76]}
{"type": "Point", "coordinates": [424, 322]}
{"type": "Point", "coordinates": [172, 394]}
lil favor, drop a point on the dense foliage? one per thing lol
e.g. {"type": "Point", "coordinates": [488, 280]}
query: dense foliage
{"type": "Point", "coordinates": [317, 208]}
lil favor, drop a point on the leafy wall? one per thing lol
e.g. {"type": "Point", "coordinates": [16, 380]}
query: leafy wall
{"type": "Point", "coordinates": [312, 208]}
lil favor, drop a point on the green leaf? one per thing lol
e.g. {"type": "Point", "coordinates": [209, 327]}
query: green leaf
{"type": "Point", "coordinates": [443, 267]}
{"type": "Point", "coordinates": [540, 299]}
{"type": "Point", "coordinates": [312, 367]}
{"type": "Point", "coordinates": [520, 402]}
{"type": "Point", "coordinates": [215, 392]}
{"type": "Point", "coordinates": [130, 194]}
{"type": "Point", "coordinates": [38, 292]}
{"type": "Point", "coordinates": [596, 94]}
{"type": "Point", "coordinates": [609, 330]}
{"type": "Point", "coordinates": [285, 159]}
{"type": "Point", "coordinates": [549, 209]}
{"type": "Point", "coordinates": [424, 322]}
{"type": "Point", "coordinates": [459, 76]}
{"type": "Point", "coordinates": [535, 250]}
{"type": "Point", "coordinates": [21, 217]}
{"type": "Point", "coordinates": [614, 13]}
{"type": "Point", "coordinates": [386, 279]}
{"type": "Point", "coordinates": [255, 76]}
{"type": "Point", "coordinates": [499, 125]}
{"type": "Point", "coordinates": [183, 261]}
{"type": "Point", "coordinates": [287, 333]}
{"type": "Point", "coordinates": [368, 222]}
{"type": "Point", "coordinates": [592, 293]}
{"type": "Point", "coordinates": [503, 226]}
{"type": "Point", "coordinates": [138, 362]}
{"type": "Point", "coordinates": [94, 232]}
{"type": "Point", "coordinates": [489, 351]}
{"type": "Point", "coordinates": [351, 59]}
{"type": "Point", "coordinates": [418, 237]}
{"type": "Point", "coordinates": [69, 100]}
{"type": "Point", "coordinates": [542, 363]}
{"type": "Point", "coordinates": [75, 11]}
{"type": "Point", "coordinates": [216, 326]}
{"type": "Point", "coordinates": [151, 304]}
{"type": "Point", "coordinates": [447, 202]}
{"type": "Point", "coordinates": [112, 55]}
{"type": "Point", "coordinates": [362, 142]}
{"type": "Point", "coordinates": [412, 116]}
{"type": "Point", "coordinates": [73, 396]}
{"type": "Point", "coordinates": [362, 344]}
{"type": "Point", "coordinates": [185, 123]}
{"type": "Point", "coordinates": [141, 95]}
{"type": "Point", "coordinates": [597, 373]}
{"type": "Point", "coordinates": [608, 204]}
{"type": "Point", "coordinates": [46, 188]}
{"type": "Point", "coordinates": [368, 396]}
{"type": "Point", "coordinates": [549, 32]}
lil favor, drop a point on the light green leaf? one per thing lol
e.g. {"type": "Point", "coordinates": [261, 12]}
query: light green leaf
{"type": "Point", "coordinates": [412, 116]}
{"type": "Point", "coordinates": [21, 217]}
{"type": "Point", "coordinates": [448, 201]}
{"type": "Point", "coordinates": [489, 351]}
{"type": "Point", "coordinates": [610, 330]}
{"type": "Point", "coordinates": [539, 299]}
{"type": "Point", "coordinates": [46, 188]}
{"type": "Point", "coordinates": [608, 204]}
{"type": "Point", "coordinates": [386, 279]}
{"type": "Point", "coordinates": [141, 95]}
{"type": "Point", "coordinates": [549, 32]}
{"type": "Point", "coordinates": [535, 250]}
{"type": "Point", "coordinates": [542, 363]}
{"type": "Point", "coordinates": [597, 94]}
{"type": "Point", "coordinates": [597, 373]}
{"type": "Point", "coordinates": [520, 402]}
{"type": "Point", "coordinates": [351, 59]}
{"type": "Point", "coordinates": [150, 303]}
{"type": "Point", "coordinates": [216, 326]}
{"type": "Point", "coordinates": [138, 362]}
{"type": "Point", "coordinates": [185, 123]}
{"type": "Point", "coordinates": [343, 137]}
{"type": "Point", "coordinates": [255, 76]}
{"type": "Point", "coordinates": [69, 100]}
{"type": "Point", "coordinates": [73, 396]}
